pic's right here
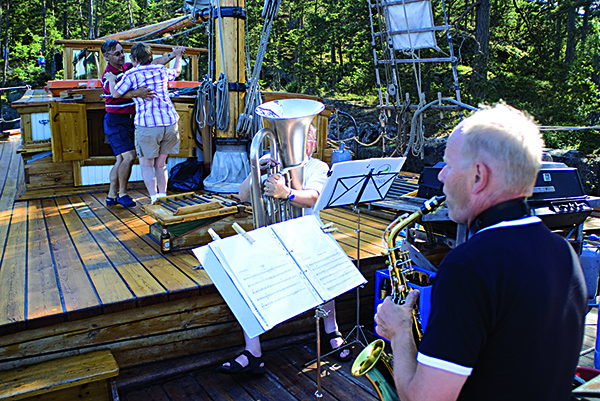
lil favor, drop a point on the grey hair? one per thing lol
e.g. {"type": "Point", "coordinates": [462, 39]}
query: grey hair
{"type": "Point", "coordinates": [109, 45]}
{"type": "Point", "coordinates": [507, 138]}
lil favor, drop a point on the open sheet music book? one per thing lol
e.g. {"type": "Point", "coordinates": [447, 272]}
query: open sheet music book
{"type": "Point", "coordinates": [289, 268]}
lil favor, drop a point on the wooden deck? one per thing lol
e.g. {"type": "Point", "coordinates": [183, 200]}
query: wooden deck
{"type": "Point", "coordinates": [77, 276]}
{"type": "Point", "coordinates": [288, 378]}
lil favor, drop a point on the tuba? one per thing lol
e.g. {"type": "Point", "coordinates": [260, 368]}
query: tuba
{"type": "Point", "coordinates": [373, 361]}
{"type": "Point", "coordinates": [289, 120]}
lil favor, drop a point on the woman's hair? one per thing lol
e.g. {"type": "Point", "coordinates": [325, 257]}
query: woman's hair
{"type": "Point", "coordinates": [142, 53]}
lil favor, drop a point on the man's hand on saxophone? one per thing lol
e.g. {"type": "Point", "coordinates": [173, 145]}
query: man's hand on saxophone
{"type": "Point", "coordinates": [397, 320]}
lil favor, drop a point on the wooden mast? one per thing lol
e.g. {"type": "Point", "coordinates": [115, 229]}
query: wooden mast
{"type": "Point", "coordinates": [234, 54]}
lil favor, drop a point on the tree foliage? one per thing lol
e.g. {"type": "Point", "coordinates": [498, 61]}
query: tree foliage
{"type": "Point", "coordinates": [538, 55]}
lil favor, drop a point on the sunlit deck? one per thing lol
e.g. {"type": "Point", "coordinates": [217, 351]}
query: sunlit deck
{"type": "Point", "coordinates": [78, 276]}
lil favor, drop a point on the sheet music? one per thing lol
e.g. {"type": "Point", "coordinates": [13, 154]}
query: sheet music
{"type": "Point", "coordinates": [229, 291]}
{"type": "Point", "coordinates": [323, 261]}
{"type": "Point", "coordinates": [346, 180]}
{"type": "Point", "coordinates": [290, 268]}
{"type": "Point", "coordinates": [266, 276]}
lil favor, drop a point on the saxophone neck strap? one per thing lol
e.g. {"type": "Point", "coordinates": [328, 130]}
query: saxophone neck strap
{"type": "Point", "coordinates": [508, 210]}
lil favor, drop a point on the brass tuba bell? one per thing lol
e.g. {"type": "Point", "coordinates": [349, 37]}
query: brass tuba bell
{"type": "Point", "coordinates": [289, 121]}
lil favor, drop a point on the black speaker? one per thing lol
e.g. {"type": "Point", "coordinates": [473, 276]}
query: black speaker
{"type": "Point", "coordinates": [429, 185]}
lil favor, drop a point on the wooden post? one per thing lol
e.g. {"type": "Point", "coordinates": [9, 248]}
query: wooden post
{"type": "Point", "coordinates": [68, 62]}
{"type": "Point", "coordinates": [235, 66]}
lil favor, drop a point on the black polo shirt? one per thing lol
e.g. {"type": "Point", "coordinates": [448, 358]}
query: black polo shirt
{"type": "Point", "coordinates": [508, 310]}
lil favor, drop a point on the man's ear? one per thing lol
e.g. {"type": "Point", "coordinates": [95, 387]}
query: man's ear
{"type": "Point", "coordinates": [482, 175]}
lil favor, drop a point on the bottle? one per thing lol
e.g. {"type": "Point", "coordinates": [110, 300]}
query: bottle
{"type": "Point", "coordinates": [165, 241]}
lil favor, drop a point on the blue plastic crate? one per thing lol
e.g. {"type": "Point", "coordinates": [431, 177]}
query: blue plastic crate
{"type": "Point", "coordinates": [424, 293]}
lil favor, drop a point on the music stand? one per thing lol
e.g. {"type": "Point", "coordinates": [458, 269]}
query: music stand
{"type": "Point", "coordinates": [351, 183]}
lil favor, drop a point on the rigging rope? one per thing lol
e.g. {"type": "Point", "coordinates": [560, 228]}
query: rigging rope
{"type": "Point", "coordinates": [247, 124]}
{"type": "Point", "coordinates": [222, 104]}
{"type": "Point", "coordinates": [205, 103]}
{"type": "Point", "coordinates": [174, 35]}
{"type": "Point", "coordinates": [222, 86]}
{"type": "Point", "coordinates": [392, 54]}
{"type": "Point", "coordinates": [417, 139]}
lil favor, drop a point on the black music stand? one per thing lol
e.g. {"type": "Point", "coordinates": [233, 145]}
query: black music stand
{"type": "Point", "coordinates": [351, 183]}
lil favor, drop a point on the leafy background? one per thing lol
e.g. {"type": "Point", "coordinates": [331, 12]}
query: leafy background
{"type": "Point", "coordinates": [539, 56]}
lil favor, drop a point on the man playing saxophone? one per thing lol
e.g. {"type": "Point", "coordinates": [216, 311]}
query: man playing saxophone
{"type": "Point", "coordinates": [510, 297]}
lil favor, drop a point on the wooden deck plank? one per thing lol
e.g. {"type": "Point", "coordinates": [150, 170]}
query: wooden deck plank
{"type": "Point", "coordinates": [185, 388]}
{"type": "Point", "coordinates": [370, 225]}
{"type": "Point", "coordinates": [108, 283]}
{"type": "Point", "coordinates": [128, 334]}
{"type": "Point", "coordinates": [76, 288]}
{"type": "Point", "coordinates": [215, 383]}
{"type": "Point", "coordinates": [160, 267]}
{"type": "Point", "coordinates": [289, 377]}
{"type": "Point", "coordinates": [266, 389]}
{"type": "Point", "coordinates": [139, 223]}
{"type": "Point", "coordinates": [43, 293]}
{"type": "Point", "coordinates": [347, 237]}
{"type": "Point", "coordinates": [335, 384]}
{"type": "Point", "coordinates": [153, 393]}
{"type": "Point", "coordinates": [44, 380]}
{"type": "Point", "coordinates": [13, 268]}
{"type": "Point", "coordinates": [11, 167]}
{"type": "Point", "coordinates": [137, 278]}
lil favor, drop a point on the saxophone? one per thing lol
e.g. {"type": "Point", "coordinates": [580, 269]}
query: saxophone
{"type": "Point", "coordinates": [373, 361]}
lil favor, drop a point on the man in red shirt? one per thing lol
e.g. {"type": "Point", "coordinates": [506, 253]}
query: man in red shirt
{"type": "Point", "coordinates": [118, 122]}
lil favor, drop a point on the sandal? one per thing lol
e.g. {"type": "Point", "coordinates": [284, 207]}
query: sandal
{"type": "Point", "coordinates": [126, 201]}
{"type": "Point", "coordinates": [337, 354]}
{"type": "Point", "coordinates": [253, 366]}
{"type": "Point", "coordinates": [111, 201]}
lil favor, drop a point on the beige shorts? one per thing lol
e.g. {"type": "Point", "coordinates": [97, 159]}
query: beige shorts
{"type": "Point", "coordinates": [152, 141]}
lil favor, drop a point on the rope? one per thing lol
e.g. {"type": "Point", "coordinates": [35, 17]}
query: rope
{"type": "Point", "coordinates": [174, 35]}
{"type": "Point", "coordinates": [544, 128]}
{"type": "Point", "coordinates": [416, 144]}
{"type": "Point", "coordinates": [222, 105]}
{"type": "Point", "coordinates": [222, 86]}
{"type": "Point", "coordinates": [247, 124]}
{"type": "Point", "coordinates": [205, 103]}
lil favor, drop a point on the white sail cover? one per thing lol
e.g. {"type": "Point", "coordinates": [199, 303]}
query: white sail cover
{"type": "Point", "coordinates": [410, 16]}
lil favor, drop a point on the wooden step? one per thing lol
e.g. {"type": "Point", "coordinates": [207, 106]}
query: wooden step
{"type": "Point", "coordinates": [79, 377]}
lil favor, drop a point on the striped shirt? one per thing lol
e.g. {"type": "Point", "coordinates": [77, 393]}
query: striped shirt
{"type": "Point", "coordinates": [120, 105]}
{"type": "Point", "coordinates": [158, 111]}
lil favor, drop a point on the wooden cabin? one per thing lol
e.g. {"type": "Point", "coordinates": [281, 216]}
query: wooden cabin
{"type": "Point", "coordinates": [63, 142]}
{"type": "Point", "coordinates": [62, 127]}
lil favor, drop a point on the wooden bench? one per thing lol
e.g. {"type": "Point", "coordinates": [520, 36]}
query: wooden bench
{"type": "Point", "coordinates": [81, 377]}
{"type": "Point", "coordinates": [9, 132]}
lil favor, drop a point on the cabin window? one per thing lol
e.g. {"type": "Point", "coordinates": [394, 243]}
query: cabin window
{"type": "Point", "coordinates": [86, 64]}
